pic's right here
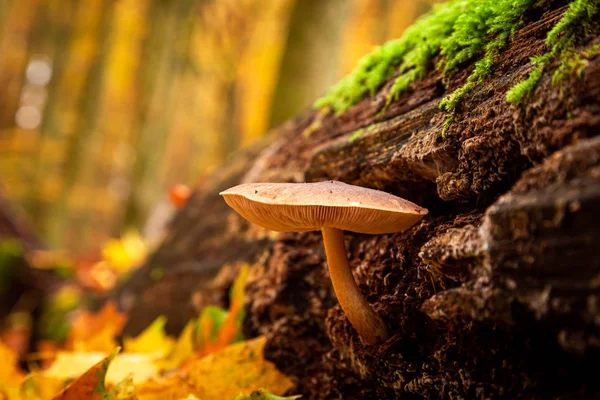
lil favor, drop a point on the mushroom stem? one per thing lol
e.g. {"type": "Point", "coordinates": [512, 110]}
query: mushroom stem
{"type": "Point", "coordinates": [367, 323]}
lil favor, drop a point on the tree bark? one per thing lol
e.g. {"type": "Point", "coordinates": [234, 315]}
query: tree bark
{"type": "Point", "coordinates": [494, 294]}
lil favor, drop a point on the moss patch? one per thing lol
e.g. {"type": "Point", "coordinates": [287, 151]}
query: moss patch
{"type": "Point", "coordinates": [460, 31]}
{"type": "Point", "coordinates": [413, 52]}
{"type": "Point", "coordinates": [560, 41]}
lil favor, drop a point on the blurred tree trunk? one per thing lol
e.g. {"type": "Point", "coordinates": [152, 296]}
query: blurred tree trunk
{"type": "Point", "coordinates": [157, 83]}
{"type": "Point", "coordinates": [78, 146]}
{"type": "Point", "coordinates": [20, 17]}
{"type": "Point", "coordinates": [5, 7]}
{"type": "Point", "coordinates": [57, 35]}
{"type": "Point", "coordinates": [310, 62]}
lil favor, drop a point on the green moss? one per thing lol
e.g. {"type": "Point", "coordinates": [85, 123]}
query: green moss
{"type": "Point", "coordinates": [413, 53]}
{"type": "Point", "coordinates": [459, 31]}
{"type": "Point", "coordinates": [560, 41]}
{"type": "Point", "coordinates": [523, 89]}
{"type": "Point", "coordinates": [574, 64]}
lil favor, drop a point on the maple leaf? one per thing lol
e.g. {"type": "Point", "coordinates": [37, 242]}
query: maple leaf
{"type": "Point", "coordinates": [239, 367]}
{"type": "Point", "coordinates": [152, 340]}
{"type": "Point", "coordinates": [90, 385]}
{"type": "Point", "coordinates": [96, 331]}
{"type": "Point", "coordinates": [224, 374]}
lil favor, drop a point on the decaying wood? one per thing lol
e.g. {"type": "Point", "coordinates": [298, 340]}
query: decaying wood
{"type": "Point", "coordinates": [486, 297]}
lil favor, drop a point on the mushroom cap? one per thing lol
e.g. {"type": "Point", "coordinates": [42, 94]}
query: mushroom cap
{"type": "Point", "coordinates": [301, 207]}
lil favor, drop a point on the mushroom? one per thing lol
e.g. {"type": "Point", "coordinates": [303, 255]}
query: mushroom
{"type": "Point", "coordinates": [331, 207]}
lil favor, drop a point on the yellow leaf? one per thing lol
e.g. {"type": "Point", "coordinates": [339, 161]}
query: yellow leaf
{"type": "Point", "coordinates": [152, 340]}
{"type": "Point", "coordinates": [90, 385]}
{"type": "Point", "coordinates": [91, 332]}
{"type": "Point", "coordinates": [36, 387]}
{"type": "Point", "coordinates": [238, 368]}
{"type": "Point", "coordinates": [100, 341]}
{"type": "Point", "coordinates": [69, 365]}
{"type": "Point", "coordinates": [10, 376]}
{"type": "Point", "coordinates": [182, 350]}
{"type": "Point", "coordinates": [173, 388]}
{"type": "Point", "coordinates": [125, 253]}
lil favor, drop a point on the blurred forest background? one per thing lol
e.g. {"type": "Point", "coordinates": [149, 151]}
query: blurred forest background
{"type": "Point", "coordinates": [105, 104]}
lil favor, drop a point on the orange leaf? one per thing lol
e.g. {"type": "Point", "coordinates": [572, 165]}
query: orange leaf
{"type": "Point", "coordinates": [90, 385]}
{"type": "Point", "coordinates": [96, 332]}
{"type": "Point", "coordinates": [233, 322]}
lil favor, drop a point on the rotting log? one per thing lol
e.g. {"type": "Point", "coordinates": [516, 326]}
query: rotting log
{"type": "Point", "coordinates": [489, 296]}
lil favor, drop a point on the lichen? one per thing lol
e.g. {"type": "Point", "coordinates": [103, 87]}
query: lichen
{"type": "Point", "coordinates": [458, 31]}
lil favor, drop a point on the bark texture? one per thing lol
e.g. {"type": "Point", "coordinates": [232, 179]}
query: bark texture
{"type": "Point", "coordinates": [494, 294]}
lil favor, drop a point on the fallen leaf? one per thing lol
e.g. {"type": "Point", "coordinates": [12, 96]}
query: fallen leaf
{"type": "Point", "coordinates": [10, 375]}
{"type": "Point", "coordinates": [218, 328]}
{"type": "Point", "coordinates": [90, 332]}
{"type": "Point", "coordinates": [70, 365]}
{"type": "Point", "coordinates": [238, 368]}
{"type": "Point", "coordinates": [90, 385]}
{"type": "Point", "coordinates": [39, 387]}
{"type": "Point", "coordinates": [210, 323]}
{"type": "Point", "coordinates": [153, 339]}
{"type": "Point", "coordinates": [264, 394]}
{"type": "Point", "coordinates": [173, 388]}
{"type": "Point", "coordinates": [125, 253]}
{"type": "Point", "coordinates": [232, 326]}
{"type": "Point", "coordinates": [182, 350]}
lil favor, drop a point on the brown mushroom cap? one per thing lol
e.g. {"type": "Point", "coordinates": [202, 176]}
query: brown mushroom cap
{"type": "Point", "coordinates": [299, 207]}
